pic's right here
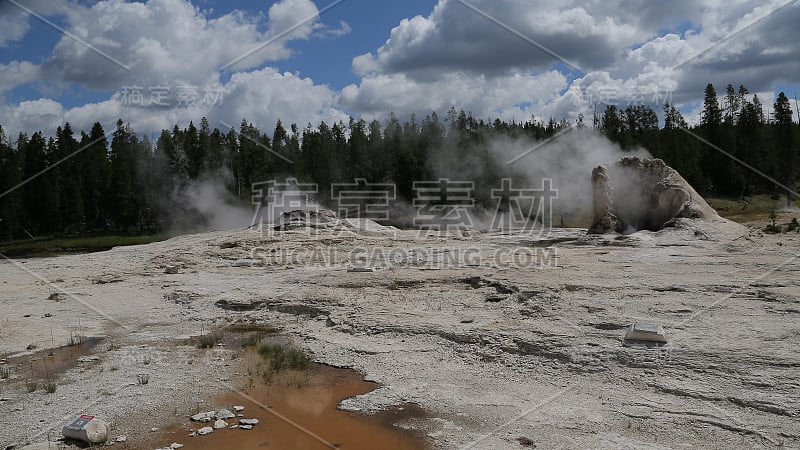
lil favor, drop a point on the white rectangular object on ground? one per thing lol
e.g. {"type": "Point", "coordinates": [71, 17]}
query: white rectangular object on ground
{"type": "Point", "coordinates": [645, 332]}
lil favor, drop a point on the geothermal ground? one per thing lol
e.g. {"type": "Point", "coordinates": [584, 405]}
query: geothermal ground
{"type": "Point", "coordinates": [504, 340]}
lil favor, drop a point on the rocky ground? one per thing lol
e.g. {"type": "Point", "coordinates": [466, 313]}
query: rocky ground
{"type": "Point", "coordinates": [505, 339]}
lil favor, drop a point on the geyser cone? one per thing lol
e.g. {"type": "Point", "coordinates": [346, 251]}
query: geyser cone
{"type": "Point", "coordinates": [643, 194]}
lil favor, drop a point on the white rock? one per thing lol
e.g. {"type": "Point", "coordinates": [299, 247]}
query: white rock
{"type": "Point", "coordinates": [92, 431]}
{"type": "Point", "coordinates": [86, 359]}
{"type": "Point", "coordinates": [238, 408]}
{"type": "Point", "coordinates": [175, 445]}
{"type": "Point", "coordinates": [121, 438]}
{"type": "Point", "coordinates": [223, 414]}
{"type": "Point", "coordinates": [248, 421]}
{"type": "Point", "coordinates": [204, 416]}
{"type": "Point", "coordinates": [245, 427]}
{"type": "Point", "coordinates": [220, 424]}
{"type": "Point", "coordinates": [205, 430]}
{"type": "Point", "coordinates": [154, 429]}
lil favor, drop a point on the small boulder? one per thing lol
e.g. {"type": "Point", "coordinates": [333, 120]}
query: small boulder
{"type": "Point", "coordinates": [248, 421]}
{"type": "Point", "coordinates": [220, 424]}
{"type": "Point", "coordinates": [87, 429]}
{"type": "Point", "coordinates": [223, 414]}
{"type": "Point", "coordinates": [205, 417]}
{"type": "Point", "coordinates": [205, 430]}
{"type": "Point", "coordinates": [238, 408]}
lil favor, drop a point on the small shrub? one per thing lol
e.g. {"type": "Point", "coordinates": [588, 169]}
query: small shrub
{"type": "Point", "coordinates": [5, 372]}
{"type": "Point", "coordinates": [793, 225]}
{"type": "Point", "coordinates": [279, 358]}
{"type": "Point", "coordinates": [50, 387]}
{"type": "Point", "coordinates": [75, 340]}
{"type": "Point", "coordinates": [31, 385]}
{"type": "Point", "coordinates": [143, 378]}
{"type": "Point", "coordinates": [208, 340]}
{"type": "Point", "coordinates": [147, 360]}
{"type": "Point", "coordinates": [251, 340]}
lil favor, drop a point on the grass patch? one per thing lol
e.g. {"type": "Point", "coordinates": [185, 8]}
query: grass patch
{"type": "Point", "coordinates": [252, 340]}
{"type": "Point", "coordinates": [53, 246]}
{"type": "Point", "coordinates": [50, 387]}
{"type": "Point", "coordinates": [279, 358]}
{"type": "Point", "coordinates": [756, 207]}
{"type": "Point", "coordinates": [75, 340]}
{"type": "Point", "coordinates": [5, 372]}
{"type": "Point", "coordinates": [208, 340]}
{"type": "Point", "coordinates": [31, 385]}
{"type": "Point", "coordinates": [250, 328]}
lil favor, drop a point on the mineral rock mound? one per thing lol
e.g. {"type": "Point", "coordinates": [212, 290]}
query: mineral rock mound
{"type": "Point", "coordinates": [643, 194]}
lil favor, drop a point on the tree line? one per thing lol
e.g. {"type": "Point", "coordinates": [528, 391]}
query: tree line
{"type": "Point", "coordinates": [128, 183]}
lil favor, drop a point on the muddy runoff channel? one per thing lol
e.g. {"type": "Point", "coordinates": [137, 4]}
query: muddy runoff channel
{"type": "Point", "coordinates": [294, 402]}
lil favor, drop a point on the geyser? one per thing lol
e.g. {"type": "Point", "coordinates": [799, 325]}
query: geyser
{"type": "Point", "coordinates": [643, 194]}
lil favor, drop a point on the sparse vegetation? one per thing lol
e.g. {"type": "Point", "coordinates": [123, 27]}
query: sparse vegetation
{"type": "Point", "coordinates": [252, 340]}
{"type": "Point", "coordinates": [50, 387]}
{"type": "Point", "coordinates": [33, 248]}
{"type": "Point", "coordinates": [5, 372]}
{"type": "Point", "coordinates": [74, 340]}
{"type": "Point", "coordinates": [143, 378]}
{"type": "Point", "coordinates": [279, 358]}
{"type": "Point", "coordinates": [31, 385]}
{"type": "Point", "coordinates": [773, 226]}
{"type": "Point", "coordinates": [793, 225]}
{"type": "Point", "coordinates": [147, 360]}
{"type": "Point", "coordinates": [208, 340]}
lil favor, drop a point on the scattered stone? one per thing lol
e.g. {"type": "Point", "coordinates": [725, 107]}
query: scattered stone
{"type": "Point", "coordinates": [87, 359]}
{"type": "Point", "coordinates": [122, 438]}
{"type": "Point", "coordinates": [154, 429]}
{"type": "Point", "coordinates": [175, 445]}
{"type": "Point", "coordinates": [220, 424]}
{"type": "Point", "coordinates": [238, 408]}
{"type": "Point", "coordinates": [171, 270]}
{"type": "Point", "coordinates": [205, 430]}
{"type": "Point", "coordinates": [31, 347]}
{"type": "Point", "coordinates": [245, 427]}
{"type": "Point", "coordinates": [247, 263]}
{"type": "Point", "coordinates": [46, 315]}
{"type": "Point", "coordinates": [248, 421]}
{"type": "Point", "coordinates": [204, 416]}
{"type": "Point", "coordinates": [223, 414]}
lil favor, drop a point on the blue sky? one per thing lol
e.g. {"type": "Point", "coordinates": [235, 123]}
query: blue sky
{"type": "Point", "coordinates": [497, 58]}
{"type": "Point", "coordinates": [327, 61]}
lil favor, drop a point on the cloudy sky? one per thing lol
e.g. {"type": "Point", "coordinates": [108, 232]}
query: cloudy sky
{"type": "Point", "coordinates": [161, 62]}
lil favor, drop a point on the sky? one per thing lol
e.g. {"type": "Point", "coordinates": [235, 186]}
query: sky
{"type": "Point", "coordinates": [158, 63]}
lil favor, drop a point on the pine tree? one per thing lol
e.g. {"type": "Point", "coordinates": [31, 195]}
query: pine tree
{"type": "Point", "coordinates": [784, 140]}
